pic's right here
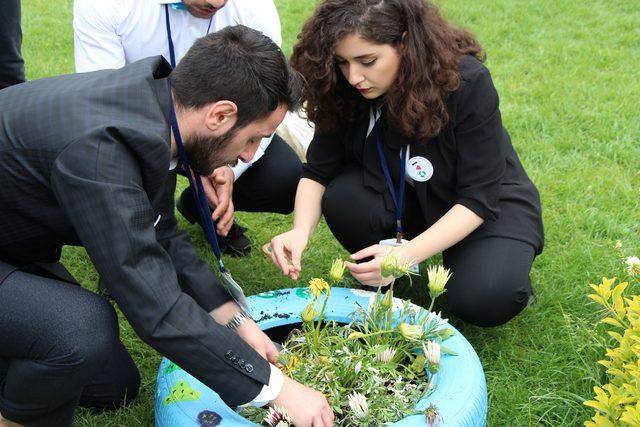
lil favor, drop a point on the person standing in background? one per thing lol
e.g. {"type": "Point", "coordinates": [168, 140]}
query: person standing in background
{"type": "Point", "coordinates": [11, 62]}
{"type": "Point", "coordinates": [111, 34]}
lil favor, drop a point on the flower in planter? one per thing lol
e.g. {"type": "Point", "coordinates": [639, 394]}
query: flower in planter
{"type": "Point", "coordinates": [438, 278]}
{"type": "Point", "coordinates": [278, 417]}
{"type": "Point", "coordinates": [309, 313]}
{"type": "Point", "coordinates": [358, 404]}
{"type": "Point", "coordinates": [392, 266]}
{"type": "Point", "coordinates": [318, 286]}
{"type": "Point", "coordinates": [386, 355]}
{"type": "Point", "coordinates": [410, 332]}
{"type": "Point", "coordinates": [432, 353]}
{"type": "Point", "coordinates": [336, 274]}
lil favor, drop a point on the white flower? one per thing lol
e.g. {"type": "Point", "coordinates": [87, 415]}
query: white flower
{"type": "Point", "coordinates": [633, 265]}
{"type": "Point", "coordinates": [358, 404]}
{"type": "Point", "coordinates": [386, 355]}
{"type": "Point", "coordinates": [432, 353]}
{"type": "Point", "coordinates": [278, 417]}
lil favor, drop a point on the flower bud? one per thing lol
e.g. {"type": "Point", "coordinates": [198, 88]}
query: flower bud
{"type": "Point", "coordinates": [336, 274]}
{"type": "Point", "coordinates": [410, 332]}
{"type": "Point", "coordinates": [309, 313]}
{"type": "Point", "coordinates": [438, 278]}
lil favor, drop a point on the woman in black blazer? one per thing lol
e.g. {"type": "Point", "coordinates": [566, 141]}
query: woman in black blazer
{"type": "Point", "coordinates": [409, 142]}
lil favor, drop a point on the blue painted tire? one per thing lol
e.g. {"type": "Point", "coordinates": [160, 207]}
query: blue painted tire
{"type": "Point", "coordinates": [460, 395]}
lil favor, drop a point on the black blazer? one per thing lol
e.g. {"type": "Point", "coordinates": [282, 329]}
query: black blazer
{"type": "Point", "coordinates": [84, 160]}
{"type": "Point", "coordinates": [473, 159]}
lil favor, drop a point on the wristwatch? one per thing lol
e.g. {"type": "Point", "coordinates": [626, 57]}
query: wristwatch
{"type": "Point", "coordinates": [238, 319]}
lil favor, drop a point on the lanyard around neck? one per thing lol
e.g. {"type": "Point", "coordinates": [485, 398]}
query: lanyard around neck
{"type": "Point", "coordinates": [172, 53]}
{"type": "Point", "coordinates": [202, 205]}
{"type": "Point", "coordinates": [398, 200]}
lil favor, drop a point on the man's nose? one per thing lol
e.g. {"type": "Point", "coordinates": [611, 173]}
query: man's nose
{"type": "Point", "coordinates": [248, 154]}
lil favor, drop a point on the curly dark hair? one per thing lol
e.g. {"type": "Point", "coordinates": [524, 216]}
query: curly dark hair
{"type": "Point", "coordinates": [430, 49]}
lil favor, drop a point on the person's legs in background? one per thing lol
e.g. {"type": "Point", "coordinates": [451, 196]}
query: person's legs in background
{"type": "Point", "coordinates": [59, 346]}
{"type": "Point", "coordinates": [269, 185]}
{"type": "Point", "coordinates": [11, 62]}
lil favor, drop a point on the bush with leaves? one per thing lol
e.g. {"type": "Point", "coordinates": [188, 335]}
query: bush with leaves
{"type": "Point", "coordinates": [617, 402]}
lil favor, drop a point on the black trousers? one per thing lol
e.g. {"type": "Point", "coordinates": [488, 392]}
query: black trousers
{"type": "Point", "coordinates": [490, 281]}
{"type": "Point", "coordinates": [59, 348]}
{"type": "Point", "coordinates": [269, 185]}
{"type": "Point", "coordinates": [11, 62]}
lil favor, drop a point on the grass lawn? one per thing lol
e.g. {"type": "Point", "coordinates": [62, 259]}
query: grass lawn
{"type": "Point", "coordinates": [568, 79]}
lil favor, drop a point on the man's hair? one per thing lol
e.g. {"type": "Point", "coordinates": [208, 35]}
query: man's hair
{"type": "Point", "coordinates": [241, 65]}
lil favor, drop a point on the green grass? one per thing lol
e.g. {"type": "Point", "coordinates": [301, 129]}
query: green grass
{"type": "Point", "coordinates": [567, 76]}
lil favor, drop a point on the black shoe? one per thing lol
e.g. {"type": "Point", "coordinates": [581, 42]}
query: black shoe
{"type": "Point", "coordinates": [235, 243]}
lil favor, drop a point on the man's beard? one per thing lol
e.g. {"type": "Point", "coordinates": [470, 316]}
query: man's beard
{"type": "Point", "coordinates": [204, 152]}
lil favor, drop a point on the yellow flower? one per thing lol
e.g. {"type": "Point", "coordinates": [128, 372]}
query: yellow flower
{"type": "Point", "coordinates": [410, 332]}
{"type": "Point", "coordinates": [309, 313]}
{"type": "Point", "coordinates": [438, 278]}
{"type": "Point", "coordinates": [324, 360]}
{"type": "Point", "coordinates": [292, 363]}
{"type": "Point", "coordinates": [336, 274]}
{"type": "Point", "coordinates": [318, 286]}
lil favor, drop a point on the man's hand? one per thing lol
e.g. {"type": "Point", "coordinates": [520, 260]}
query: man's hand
{"type": "Point", "coordinates": [253, 335]}
{"type": "Point", "coordinates": [307, 407]}
{"type": "Point", "coordinates": [218, 188]}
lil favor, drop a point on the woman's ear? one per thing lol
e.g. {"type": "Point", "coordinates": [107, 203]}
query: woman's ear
{"type": "Point", "coordinates": [221, 115]}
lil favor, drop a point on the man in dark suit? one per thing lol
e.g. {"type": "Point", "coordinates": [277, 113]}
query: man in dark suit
{"type": "Point", "coordinates": [89, 159]}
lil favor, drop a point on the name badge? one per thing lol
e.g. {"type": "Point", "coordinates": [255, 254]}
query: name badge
{"type": "Point", "coordinates": [415, 268]}
{"type": "Point", "coordinates": [420, 169]}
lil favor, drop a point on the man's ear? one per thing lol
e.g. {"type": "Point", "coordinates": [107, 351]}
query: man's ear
{"type": "Point", "coordinates": [221, 114]}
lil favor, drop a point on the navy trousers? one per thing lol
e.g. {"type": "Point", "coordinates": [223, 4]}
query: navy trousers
{"type": "Point", "coordinates": [59, 348]}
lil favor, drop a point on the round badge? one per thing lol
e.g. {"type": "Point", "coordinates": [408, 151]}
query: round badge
{"type": "Point", "coordinates": [420, 169]}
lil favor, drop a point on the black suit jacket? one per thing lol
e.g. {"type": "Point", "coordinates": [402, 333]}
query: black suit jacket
{"type": "Point", "coordinates": [474, 163]}
{"type": "Point", "coordinates": [84, 160]}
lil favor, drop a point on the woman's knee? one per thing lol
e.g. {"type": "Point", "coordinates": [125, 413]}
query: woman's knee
{"type": "Point", "coordinates": [487, 302]}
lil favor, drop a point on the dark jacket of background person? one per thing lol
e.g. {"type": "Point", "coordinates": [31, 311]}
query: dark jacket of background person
{"type": "Point", "coordinates": [11, 62]}
{"type": "Point", "coordinates": [84, 160]}
{"type": "Point", "coordinates": [474, 163]}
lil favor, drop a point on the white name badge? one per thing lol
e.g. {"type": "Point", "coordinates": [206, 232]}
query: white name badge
{"type": "Point", "coordinates": [415, 268]}
{"type": "Point", "coordinates": [420, 169]}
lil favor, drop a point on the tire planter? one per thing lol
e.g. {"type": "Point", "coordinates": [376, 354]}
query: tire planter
{"type": "Point", "coordinates": [460, 395]}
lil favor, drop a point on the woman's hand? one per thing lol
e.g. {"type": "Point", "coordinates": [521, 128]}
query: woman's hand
{"type": "Point", "coordinates": [368, 273]}
{"type": "Point", "coordinates": [286, 251]}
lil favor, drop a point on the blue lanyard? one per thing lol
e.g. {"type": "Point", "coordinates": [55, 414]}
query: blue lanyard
{"type": "Point", "coordinates": [398, 201]}
{"type": "Point", "coordinates": [205, 212]}
{"type": "Point", "coordinates": [172, 53]}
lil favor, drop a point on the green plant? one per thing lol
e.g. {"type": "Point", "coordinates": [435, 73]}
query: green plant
{"type": "Point", "coordinates": [617, 403]}
{"type": "Point", "coordinates": [374, 369]}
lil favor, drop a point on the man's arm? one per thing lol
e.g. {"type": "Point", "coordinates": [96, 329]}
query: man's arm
{"type": "Point", "coordinates": [99, 184]}
{"type": "Point", "coordinates": [97, 45]}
